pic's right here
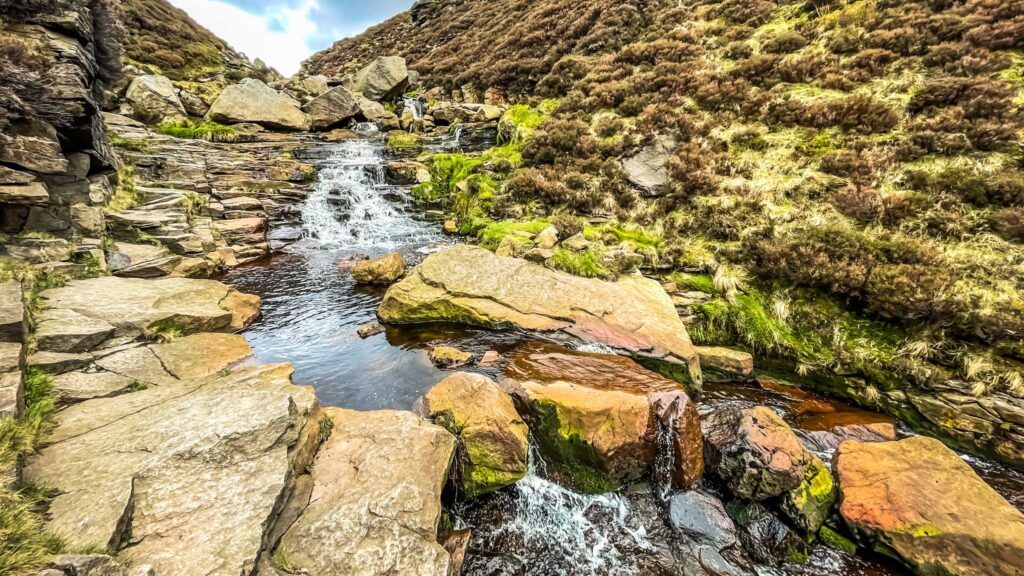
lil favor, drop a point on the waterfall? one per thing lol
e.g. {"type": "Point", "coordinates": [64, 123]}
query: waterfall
{"type": "Point", "coordinates": [571, 534]}
{"type": "Point", "coordinates": [348, 207]}
{"type": "Point", "coordinates": [416, 105]}
{"type": "Point", "coordinates": [454, 139]}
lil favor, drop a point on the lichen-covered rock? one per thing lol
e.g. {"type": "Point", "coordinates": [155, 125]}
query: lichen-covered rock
{"type": "Point", "coordinates": [253, 101]}
{"type": "Point", "coordinates": [375, 504]}
{"type": "Point", "coordinates": [154, 99]}
{"type": "Point", "coordinates": [472, 285]}
{"type": "Point", "coordinates": [385, 270]}
{"type": "Point", "coordinates": [331, 108]}
{"type": "Point", "coordinates": [483, 416]}
{"type": "Point", "coordinates": [808, 505]}
{"type": "Point", "coordinates": [918, 500]}
{"type": "Point", "coordinates": [597, 417]}
{"type": "Point", "coordinates": [754, 452]}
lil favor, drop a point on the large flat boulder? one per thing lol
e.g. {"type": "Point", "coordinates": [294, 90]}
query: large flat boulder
{"type": "Point", "coordinates": [135, 306]}
{"type": "Point", "coordinates": [376, 498]}
{"type": "Point", "coordinates": [597, 417]}
{"type": "Point", "coordinates": [471, 285]}
{"type": "Point", "coordinates": [918, 499]}
{"type": "Point", "coordinates": [253, 101]}
{"type": "Point", "coordinates": [386, 77]}
{"type": "Point", "coordinates": [483, 416]}
{"type": "Point", "coordinates": [189, 475]}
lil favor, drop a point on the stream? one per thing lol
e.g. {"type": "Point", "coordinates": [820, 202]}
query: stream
{"type": "Point", "coordinates": [311, 311]}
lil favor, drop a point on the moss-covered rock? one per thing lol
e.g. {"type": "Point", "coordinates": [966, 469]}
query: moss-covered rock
{"type": "Point", "coordinates": [597, 417]}
{"type": "Point", "coordinates": [809, 504]}
{"type": "Point", "coordinates": [493, 438]}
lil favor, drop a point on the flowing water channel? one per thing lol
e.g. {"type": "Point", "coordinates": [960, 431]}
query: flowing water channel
{"type": "Point", "coordinates": [311, 311]}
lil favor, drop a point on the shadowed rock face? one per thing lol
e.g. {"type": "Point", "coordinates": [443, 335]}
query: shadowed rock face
{"type": "Point", "coordinates": [470, 285]}
{"type": "Point", "coordinates": [918, 499]}
{"type": "Point", "coordinates": [375, 502]}
{"type": "Point", "coordinates": [189, 474]}
{"type": "Point", "coordinates": [754, 452]}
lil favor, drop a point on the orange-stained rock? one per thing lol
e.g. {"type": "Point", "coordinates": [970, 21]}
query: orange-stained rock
{"type": "Point", "coordinates": [754, 451]}
{"type": "Point", "coordinates": [918, 499]}
{"type": "Point", "coordinates": [597, 416]}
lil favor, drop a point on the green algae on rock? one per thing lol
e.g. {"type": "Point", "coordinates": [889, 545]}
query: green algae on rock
{"type": "Point", "coordinates": [493, 439]}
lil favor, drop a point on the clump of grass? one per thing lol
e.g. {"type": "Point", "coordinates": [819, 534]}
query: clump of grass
{"type": "Point", "coordinates": [25, 545]}
{"type": "Point", "coordinates": [164, 330]}
{"type": "Point", "coordinates": [694, 282]}
{"type": "Point", "coordinates": [127, 195]}
{"type": "Point", "coordinates": [12, 270]}
{"type": "Point", "coordinates": [202, 130]}
{"type": "Point", "coordinates": [492, 235]}
{"type": "Point", "coordinates": [586, 264]}
{"type": "Point", "coordinates": [447, 171]}
{"type": "Point", "coordinates": [519, 122]}
{"type": "Point", "coordinates": [324, 428]}
{"type": "Point", "coordinates": [141, 146]}
{"type": "Point", "coordinates": [281, 561]}
{"type": "Point", "coordinates": [194, 204]}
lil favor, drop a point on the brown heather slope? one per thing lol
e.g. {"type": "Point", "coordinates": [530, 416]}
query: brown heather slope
{"type": "Point", "coordinates": [512, 43]}
{"type": "Point", "coordinates": [856, 166]}
{"type": "Point", "coordinates": [156, 34]}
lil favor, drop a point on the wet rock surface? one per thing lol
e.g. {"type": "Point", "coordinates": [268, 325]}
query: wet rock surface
{"type": "Point", "coordinates": [754, 452]}
{"type": "Point", "coordinates": [597, 417]}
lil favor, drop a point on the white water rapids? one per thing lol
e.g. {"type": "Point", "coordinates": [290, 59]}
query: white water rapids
{"type": "Point", "coordinates": [349, 207]}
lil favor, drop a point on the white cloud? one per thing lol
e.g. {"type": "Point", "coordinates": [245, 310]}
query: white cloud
{"type": "Point", "coordinates": [284, 47]}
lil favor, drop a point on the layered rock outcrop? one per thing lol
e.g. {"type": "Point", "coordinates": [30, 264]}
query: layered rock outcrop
{"type": "Point", "coordinates": [188, 474]}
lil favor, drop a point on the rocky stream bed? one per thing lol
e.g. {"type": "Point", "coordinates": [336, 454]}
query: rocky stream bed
{"type": "Point", "coordinates": [262, 359]}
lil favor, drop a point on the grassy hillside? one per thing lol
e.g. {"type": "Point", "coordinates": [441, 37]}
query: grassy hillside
{"type": "Point", "coordinates": [855, 167]}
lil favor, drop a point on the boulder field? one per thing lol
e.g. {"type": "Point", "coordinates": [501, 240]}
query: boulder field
{"type": "Point", "coordinates": [471, 285]}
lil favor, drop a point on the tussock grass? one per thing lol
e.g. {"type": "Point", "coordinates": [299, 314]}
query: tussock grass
{"type": "Point", "coordinates": [203, 130]}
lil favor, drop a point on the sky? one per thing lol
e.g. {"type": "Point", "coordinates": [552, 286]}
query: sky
{"type": "Point", "coordinates": [283, 33]}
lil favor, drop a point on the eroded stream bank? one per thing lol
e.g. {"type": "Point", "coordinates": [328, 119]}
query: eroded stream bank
{"type": "Point", "coordinates": [311, 311]}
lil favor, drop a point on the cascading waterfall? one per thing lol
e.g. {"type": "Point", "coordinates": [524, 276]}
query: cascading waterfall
{"type": "Point", "coordinates": [571, 534]}
{"type": "Point", "coordinates": [348, 207]}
